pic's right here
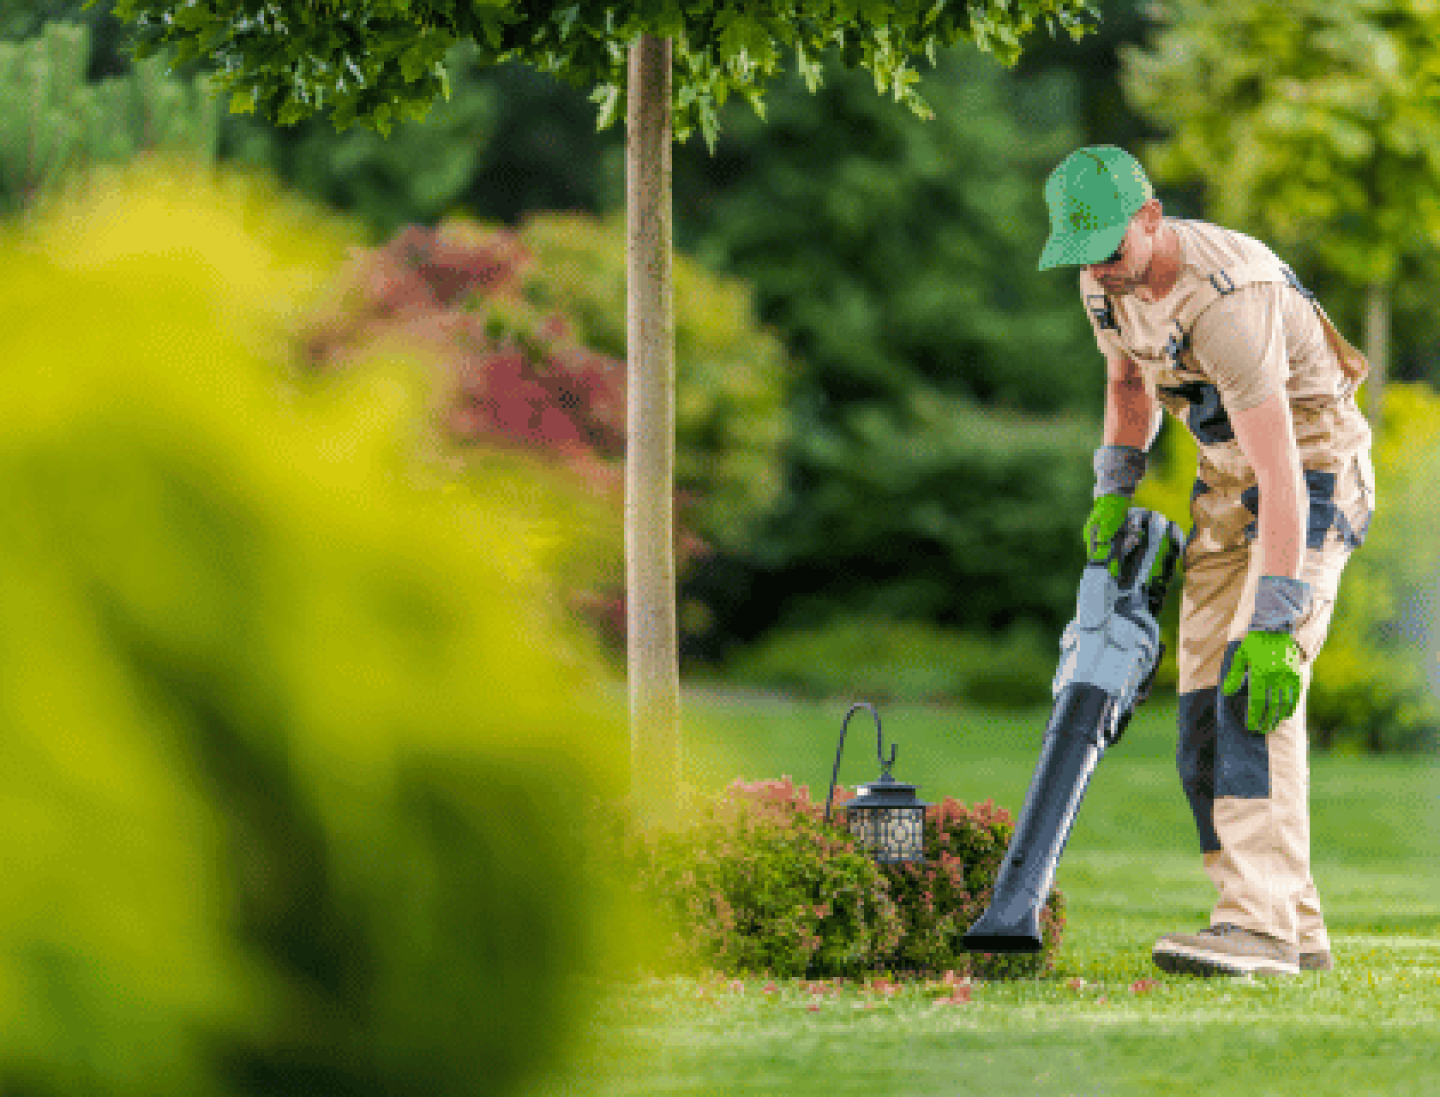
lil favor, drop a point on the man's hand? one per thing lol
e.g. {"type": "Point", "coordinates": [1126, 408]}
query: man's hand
{"type": "Point", "coordinates": [1106, 518]}
{"type": "Point", "coordinates": [1273, 660]}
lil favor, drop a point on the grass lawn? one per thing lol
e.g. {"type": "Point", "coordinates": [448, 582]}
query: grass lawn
{"type": "Point", "coordinates": [1131, 872]}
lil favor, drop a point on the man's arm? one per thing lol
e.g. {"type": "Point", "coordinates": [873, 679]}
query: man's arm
{"type": "Point", "coordinates": [1267, 438]}
{"type": "Point", "coordinates": [1132, 415]}
{"type": "Point", "coordinates": [1240, 343]}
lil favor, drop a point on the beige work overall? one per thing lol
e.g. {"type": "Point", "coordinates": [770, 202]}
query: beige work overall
{"type": "Point", "coordinates": [1248, 791]}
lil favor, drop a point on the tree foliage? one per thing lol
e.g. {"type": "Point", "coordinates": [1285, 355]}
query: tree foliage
{"type": "Point", "coordinates": [1299, 114]}
{"type": "Point", "coordinates": [385, 62]}
{"type": "Point", "coordinates": [733, 375]}
{"type": "Point", "coordinates": [522, 331]}
{"type": "Point", "coordinates": [1311, 124]}
{"type": "Point", "coordinates": [895, 253]}
{"type": "Point", "coordinates": [55, 126]}
{"type": "Point", "coordinates": [927, 479]}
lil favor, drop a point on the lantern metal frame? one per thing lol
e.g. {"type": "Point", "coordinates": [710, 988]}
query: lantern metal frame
{"type": "Point", "coordinates": [882, 804]}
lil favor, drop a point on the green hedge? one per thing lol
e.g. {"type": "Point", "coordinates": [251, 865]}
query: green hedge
{"type": "Point", "coordinates": [901, 661]}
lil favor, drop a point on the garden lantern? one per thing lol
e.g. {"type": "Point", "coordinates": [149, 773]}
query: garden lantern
{"type": "Point", "coordinates": [887, 821]}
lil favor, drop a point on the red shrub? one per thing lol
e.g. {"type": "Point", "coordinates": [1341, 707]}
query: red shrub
{"type": "Point", "coordinates": [511, 378]}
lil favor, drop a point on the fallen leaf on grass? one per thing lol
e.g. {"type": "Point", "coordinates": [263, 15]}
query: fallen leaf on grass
{"type": "Point", "coordinates": [1144, 986]}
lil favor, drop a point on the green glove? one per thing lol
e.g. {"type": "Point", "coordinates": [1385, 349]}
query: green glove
{"type": "Point", "coordinates": [1106, 518]}
{"type": "Point", "coordinates": [1273, 659]}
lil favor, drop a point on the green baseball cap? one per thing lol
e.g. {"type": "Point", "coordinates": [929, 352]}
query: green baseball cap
{"type": "Point", "coordinates": [1092, 195]}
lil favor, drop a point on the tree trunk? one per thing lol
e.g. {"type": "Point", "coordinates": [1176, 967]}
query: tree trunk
{"type": "Point", "coordinates": [1377, 349]}
{"type": "Point", "coordinates": [653, 653]}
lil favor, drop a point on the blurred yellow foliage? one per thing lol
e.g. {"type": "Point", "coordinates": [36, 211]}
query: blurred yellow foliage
{"type": "Point", "coordinates": [296, 743]}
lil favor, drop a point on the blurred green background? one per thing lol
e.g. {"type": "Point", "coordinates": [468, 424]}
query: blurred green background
{"type": "Point", "coordinates": [921, 402]}
{"type": "Point", "coordinates": [288, 807]}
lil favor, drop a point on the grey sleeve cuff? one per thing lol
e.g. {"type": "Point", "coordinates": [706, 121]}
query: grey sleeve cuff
{"type": "Point", "coordinates": [1280, 603]}
{"type": "Point", "coordinates": [1118, 470]}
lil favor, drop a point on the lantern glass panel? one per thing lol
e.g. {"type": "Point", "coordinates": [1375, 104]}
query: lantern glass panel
{"type": "Point", "coordinates": [905, 839]}
{"type": "Point", "coordinates": [862, 825]}
{"type": "Point", "coordinates": [889, 834]}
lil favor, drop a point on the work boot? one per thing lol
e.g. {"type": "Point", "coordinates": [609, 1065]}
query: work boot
{"type": "Point", "coordinates": [1225, 949]}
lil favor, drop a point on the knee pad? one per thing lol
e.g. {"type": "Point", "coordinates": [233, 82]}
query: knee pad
{"type": "Point", "coordinates": [1195, 757]}
{"type": "Point", "coordinates": [1242, 756]}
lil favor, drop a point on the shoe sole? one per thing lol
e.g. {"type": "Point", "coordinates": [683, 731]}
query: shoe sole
{"type": "Point", "coordinates": [1181, 960]}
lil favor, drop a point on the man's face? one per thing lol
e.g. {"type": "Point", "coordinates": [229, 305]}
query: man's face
{"type": "Point", "coordinates": [1128, 272]}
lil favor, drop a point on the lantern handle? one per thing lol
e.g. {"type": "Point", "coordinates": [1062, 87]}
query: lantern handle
{"type": "Point", "coordinates": [879, 750]}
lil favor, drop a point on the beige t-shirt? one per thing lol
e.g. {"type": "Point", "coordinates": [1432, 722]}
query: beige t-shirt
{"type": "Point", "coordinates": [1263, 337]}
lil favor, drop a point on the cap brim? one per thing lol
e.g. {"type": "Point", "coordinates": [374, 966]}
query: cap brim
{"type": "Point", "coordinates": [1080, 249]}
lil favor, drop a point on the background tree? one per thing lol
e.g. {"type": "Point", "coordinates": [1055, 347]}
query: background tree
{"type": "Point", "coordinates": [916, 244]}
{"type": "Point", "coordinates": [1311, 124]}
{"type": "Point", "coordinates": [57, 127]}
{"type": "Point", "coordinates": [926, 479]}
{"type": "Point", "coordinates": [72, 101]}
{"type": "Point", "coordinates": [384, 63]}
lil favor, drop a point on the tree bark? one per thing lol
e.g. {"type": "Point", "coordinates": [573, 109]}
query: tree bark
{"type": "Point", "coordinates": [652, 652]}
{"type": "Point", "coordinates": [1377, 349]}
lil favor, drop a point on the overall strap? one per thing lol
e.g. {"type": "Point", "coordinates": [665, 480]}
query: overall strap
{"type": "Point", "coordinates": [1225, 281]}
{"type": "Point", "coordinates": [1222, 282]}
{"type": "Point", "coordinates": [1103, 311]}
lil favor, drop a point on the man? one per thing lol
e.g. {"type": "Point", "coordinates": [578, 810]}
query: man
{"type": "Point", "coordinates": [1211, 325]}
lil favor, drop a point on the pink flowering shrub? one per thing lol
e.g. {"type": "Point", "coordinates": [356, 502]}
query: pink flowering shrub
{"type": "Point", "coordinates": [942, 898]}
{"type": "Point", "coordinates": [756, 883]}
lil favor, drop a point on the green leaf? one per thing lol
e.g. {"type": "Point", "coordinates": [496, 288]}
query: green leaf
{"type": "Point", "coordinates": [755, 97]}
{"type": "Point", "coordinates": [608, 96]}
{"type": "Point", "coordinates": [918, 106]}
{"type": "Point", "coordinates": [709, 124]}
{"type": "Point", "coordinates": [412, 63]}
{"type": "Point", "coordinates": [566, 18]}
{"type": "Point", "coordinates": [242, 102]}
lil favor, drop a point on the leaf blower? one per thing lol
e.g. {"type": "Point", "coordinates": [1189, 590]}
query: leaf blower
{"type": "Point", "coordinates": [1108, 657]}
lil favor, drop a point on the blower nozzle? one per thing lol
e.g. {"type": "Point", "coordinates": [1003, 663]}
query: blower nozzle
{"type": "Point", "coordinates": [1109, 655]}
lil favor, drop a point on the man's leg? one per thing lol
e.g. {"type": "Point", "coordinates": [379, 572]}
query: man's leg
{"type": "Point", "coordinates": [1214, 579]}
{"type": "Point", "coordinates": [1353, 507]}
{"type": "Point", "coordinates": [1262, 819]}
{"type": "Point", "coordinates": [1249, 792]}
{"type": "Point", "coordinates": [1313, 938]}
